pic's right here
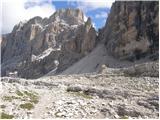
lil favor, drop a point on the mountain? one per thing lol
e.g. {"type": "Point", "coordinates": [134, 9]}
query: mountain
{"type": "Point", "coordinates": [35, 47]}
{"type": "Point", "coordinates": [129, 37]}
{"type": "Point", "coordinates": [52, 45]}
{"type": "Point", "coordinates": [81, 73]}
{"type": "Point", "coordinates": [132, 30]}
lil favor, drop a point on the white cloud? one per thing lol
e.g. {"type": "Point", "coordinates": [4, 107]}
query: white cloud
{"type": "Point", "coordinates": [88, 5]}
{"type": "Point", "coordinates": [0, 18]}
{"type": "Point", "coordinates": [85, 18]}
{"type": "Point", "coordinates": [101, 15]}
{"type": "Point", "coordinates": [94, 25]}
{"type": "Point", "coordinates": [14, 11]}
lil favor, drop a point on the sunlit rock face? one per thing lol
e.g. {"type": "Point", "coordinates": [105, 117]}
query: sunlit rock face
{"type": "Point", "coordinates": [132, 30]}
{"type": "Point", "coordinates": [32, 46]}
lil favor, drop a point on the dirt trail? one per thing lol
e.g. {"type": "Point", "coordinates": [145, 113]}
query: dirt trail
{"type": "Point", "coordinates": [45, 100]}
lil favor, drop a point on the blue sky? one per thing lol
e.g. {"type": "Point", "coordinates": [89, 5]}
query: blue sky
{"type": "Point", "coordinates": [14, 11]}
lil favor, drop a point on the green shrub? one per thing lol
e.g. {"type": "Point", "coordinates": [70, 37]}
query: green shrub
{"type": "Point", "coordinates": [27, 106]}
{"type": "Point", "coordinates": [82, 95]}
{"type": "Point", "coordinates": [10, 98]}
{"type": "Point", "coordinates": [3, 106]}
{"type": "Point", "coordinates": [124, 117]}
{"type": "Point", "coordinates": [6, 116]}
{"type": "Point", "coordinates": [32, 96]}
{"type": "Point", "coordinates": [19, 93]}
{"type": "Point", "coordinates": [34, 100]}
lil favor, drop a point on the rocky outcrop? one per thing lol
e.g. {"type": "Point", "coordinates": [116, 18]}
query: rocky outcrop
{"type": "Point", "coordinates": [148, 69]}
{"type": "Point", "coordinates": [131, 31]}
{"type": "Point", "coordinates": [33, 46]}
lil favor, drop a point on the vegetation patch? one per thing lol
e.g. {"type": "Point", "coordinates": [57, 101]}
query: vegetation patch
{"type": "Point", "coordinates": [27, 106]}
{"type": "Point", "coordinates": [32, 96]}
{"type": "Point", "coordinates": [19, 93]}
{"type": "Point", "coordinates": [81, 95]}
{"type": "Point", "coordinates": [34, 100]}
{"type": "Point", "coordinates": [3, 106]}
{"type": "Point", "coordinates": [124, 117]}
{"type": "Point", "coordinates": [10, 98]}
{"type": "Point", "coordinates": [57, 114]}
{"type": "Point", "coordinates": [6, 116]}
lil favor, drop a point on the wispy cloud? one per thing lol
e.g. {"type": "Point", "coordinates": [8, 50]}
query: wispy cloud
{"type": "Point", "coordinates": [101, 15]}
{"type": "Point", "coordinates": [19, 10]}
{"type": "Point", "coordinates": [88, 5]}
{"type": "Point", "coordinates": [32, 3]}
{"type": "Point", "coordinates": [94, 25]}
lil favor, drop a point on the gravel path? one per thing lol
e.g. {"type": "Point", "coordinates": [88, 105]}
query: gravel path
{"type": "Point", "coordinates": [45, 100]}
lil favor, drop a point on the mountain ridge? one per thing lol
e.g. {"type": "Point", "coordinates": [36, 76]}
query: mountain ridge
{"type": "Point", "coordinates": [33, 47]}
{"type": "Point", "coordinates": [65, 32]}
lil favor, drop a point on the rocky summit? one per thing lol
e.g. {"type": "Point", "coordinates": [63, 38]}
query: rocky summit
{"type": "Point", "coordinates": [61, 67]}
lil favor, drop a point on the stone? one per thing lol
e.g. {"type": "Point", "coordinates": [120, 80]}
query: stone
{"type": "Point", "coordinates": [74, 89]}
{"type": "Point", "coordinates": [145, 104]}
{"type": "Point", "coordinates": [124, 110]}
{"type": "Point", "coordinates": [144, 69]}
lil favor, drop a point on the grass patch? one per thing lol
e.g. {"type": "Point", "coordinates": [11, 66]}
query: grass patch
{"type": "Point", "coordinates": [34, 100]}
{"type": "Point", "coordinates": [29, 94]}
{"type": "Point", "coordinates": [82, 95]}
{"type": "Point", "coordinates": [3, 106]}
{"type": "Point", "coordinates": [10, 98]}
{"type": "Point", "coordinates": [32, 96]}
{"type": "Point", "coordinates": [27, 106]}
{"type": "Point", "coordinates": [6, 116]}
{"type": "Point", "coordinates": [124, 117]}
{"type": "Point", "coordinates": [19, 93]}
{"type": "Point", "coordinates": [56, 114]}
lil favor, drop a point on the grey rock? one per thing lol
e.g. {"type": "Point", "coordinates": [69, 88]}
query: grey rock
{"type": "Point", "coordinates": [126, 111]}
{"type": "Point", "coordinates": [145, 69]}
{"type": "Point", "coordinates": [33, 46]}
{"type": "Point", "coordinates": [131, 31]}
{"type": "Point", "coordinates": [145, 104]}
{"type": "Point", "coordinates": [74, 89]}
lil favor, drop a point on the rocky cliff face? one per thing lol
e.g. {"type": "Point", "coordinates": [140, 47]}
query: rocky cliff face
{"type": "Point", "coordinates": [132, 30]}
{"type": "Point", "coordinates": [33, 47]}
